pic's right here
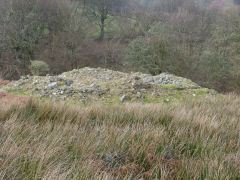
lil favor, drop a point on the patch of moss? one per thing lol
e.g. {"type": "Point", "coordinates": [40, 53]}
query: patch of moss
{"type": "Point", "coordinates": [168, 86]}
{"type": "Point", "coordinates": [202, 91]}
{"type": "Point", "coordinates": [67, 73]}
{"type": "Point", "coordinates": [178, 95]}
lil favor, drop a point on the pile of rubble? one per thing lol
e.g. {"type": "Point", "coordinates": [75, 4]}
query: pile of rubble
{"type": "Point", "coordinates": [96, 84]}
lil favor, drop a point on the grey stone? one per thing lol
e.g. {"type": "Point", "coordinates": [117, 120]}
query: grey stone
{"type": "Point", "coordinates": [125, 98]}
{"type": "Point", "coordinates": [83, 90]}
{"type": "Point", "coordinates": [94, 86]}
{"type": "Point", "coordinates": [176, 83]}
{"type": "Point", "coordinates": [136, 78]}
{"type": "Point", "coordinates": [198, 87]}
{"type": "Point", "coordinates": [100, 93]}
{"type": "Point", "coordinates": [69, 82]}
{"type": "Point", "coordinates": [143, 90]}
{"type": "Point", "coordinates": [52, 79]}
{"type": "Point", "coordinates": [24, 77]}
{"type": "Point", "coordinates": [18, 83]}
{"type": "Point", "coordinates": [60, 78]}
{"type": "Point", "coordinates": [53, 85]}
{"type": "Point", "coordinates": [158, 81]}
{"type": "Point", "coordinates": [148, 79]}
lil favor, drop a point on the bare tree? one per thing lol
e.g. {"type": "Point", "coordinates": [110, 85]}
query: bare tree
{"type": "Point", "coordinates": [100, 10]}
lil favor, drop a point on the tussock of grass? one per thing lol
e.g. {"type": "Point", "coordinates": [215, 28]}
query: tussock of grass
{"type": "Point", "coordinates": [194, 139]}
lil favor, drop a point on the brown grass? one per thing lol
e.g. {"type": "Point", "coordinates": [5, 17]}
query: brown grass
{"type": "Point", "coordinates": [3, 82]}
{"type": "Point", "coordinates": [194, 139]}
{"type": "Point", "coordinates": [7, 100]}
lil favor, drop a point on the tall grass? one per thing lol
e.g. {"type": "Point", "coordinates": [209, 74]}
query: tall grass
{"type": "Point", "coordinates": [197, 139]}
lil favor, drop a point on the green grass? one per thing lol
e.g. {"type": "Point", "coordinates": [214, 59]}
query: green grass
{"type": "Point", "coordinates": [169, 86]}
{"type": "Point", "coordinates": [201, 91]}
{"type": "Point", "coordinates": [192, 139]}
{"type": "Point", "coordinates": [17, 91]}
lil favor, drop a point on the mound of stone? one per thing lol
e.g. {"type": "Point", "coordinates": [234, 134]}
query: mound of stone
{"type": "Point", "coordinates": [91, 85]}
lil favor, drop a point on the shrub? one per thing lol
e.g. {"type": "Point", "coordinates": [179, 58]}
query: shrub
{"type": "Point", "coordinates": [157, 52]}
{"type": "Point", "coordinates": [39, 68]}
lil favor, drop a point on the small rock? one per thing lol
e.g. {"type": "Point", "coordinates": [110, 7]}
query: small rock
{"type": "Point", "coordinates": [167, 100]}
{"type": "Point", "coordinates": [83, 90]}
{"type": "Point", "coordinates": [53, 85]}
{"type": "Point", "coordinates": [69, 82]}
{"type": "Point", "coordinates": [100, 93]}
{"type": "Point", "coordinates": [176, 83]}
{"type": "Point", "coordinates": [143, 90]}
{"type": "Point", "coordinates": [60, 78]}
{"type": "Point", "coordinates": [125, 98]}
{"type": "Point", "coordinates": [64, 98]}
{"type": "Point", "coordinates": [52, 79]}
{"type": "Point", "coordinates": [158, 81]}
{"type": "Point", "coordinates": [24, 77]}
{"type": "Point", "coordinates": [136, 78]}
{"type": "Point", "coordinates": [94, 86]}
{"type": "Point", "coordinates": [18, 84]}
{"type": "Point", "coordinates": [148, 79]}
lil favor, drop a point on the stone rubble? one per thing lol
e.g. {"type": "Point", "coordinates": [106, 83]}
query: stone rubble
{"type": "Point", "coordinates": [97, 84]}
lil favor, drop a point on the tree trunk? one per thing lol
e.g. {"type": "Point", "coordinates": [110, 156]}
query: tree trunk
{"type": "Point", "coordinates": [101, 37]}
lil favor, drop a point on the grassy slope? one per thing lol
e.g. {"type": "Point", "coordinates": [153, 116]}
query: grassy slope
{"type": "Point", "coordinates": [194, 139]}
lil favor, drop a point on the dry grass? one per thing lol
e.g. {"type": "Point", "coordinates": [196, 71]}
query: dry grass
{"type": "Point", "coordinates": [197, 139]}
{"type": "Point", "coordinates": [6, 100]}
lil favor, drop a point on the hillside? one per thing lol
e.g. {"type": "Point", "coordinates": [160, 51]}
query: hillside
{"type": "Point", "coordinates": [194, 139]}
{"type": "Point", "coordinates": [120, 90]}
{"type": "Point", "coordinates": [133, 126]}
